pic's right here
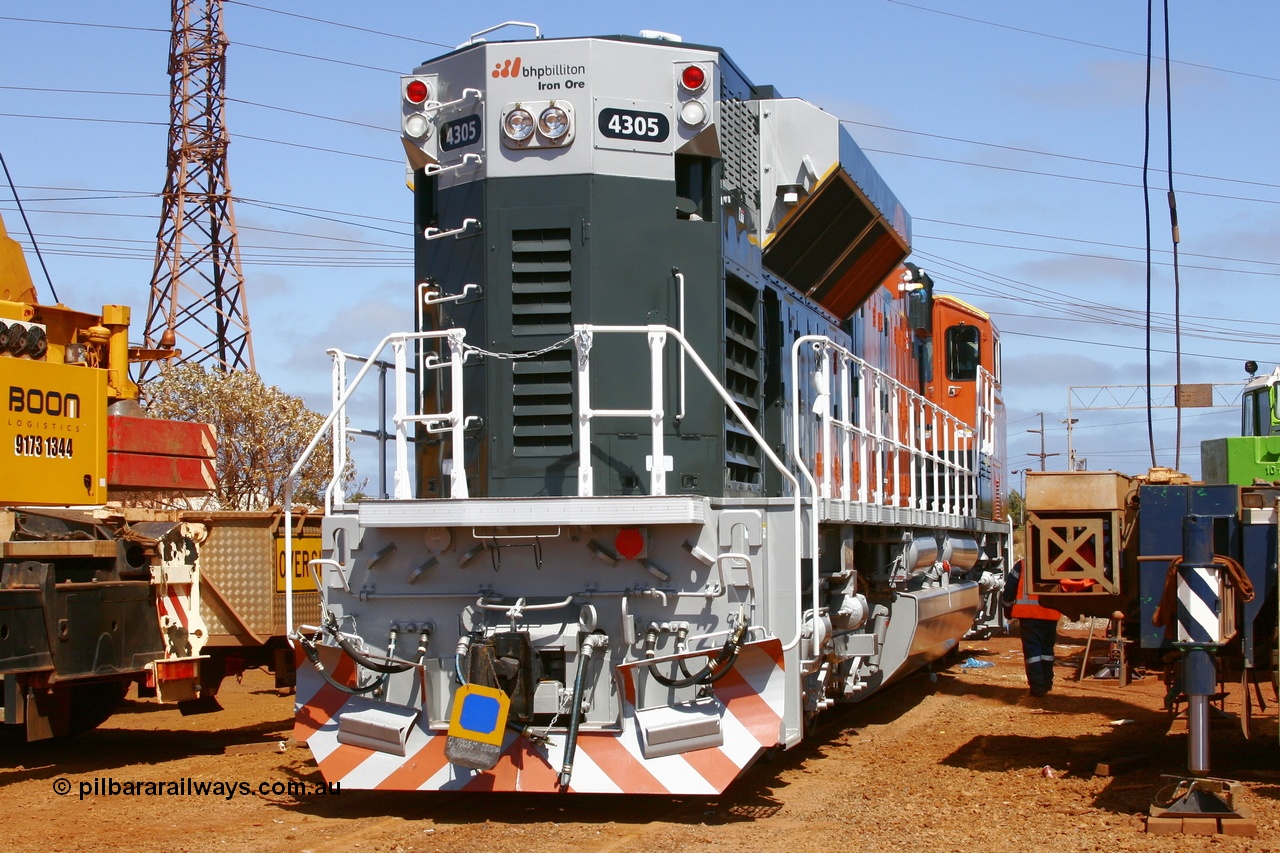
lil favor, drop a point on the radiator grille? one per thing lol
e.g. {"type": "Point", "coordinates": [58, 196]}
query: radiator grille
{"type": "Point", "coordinates": [542, 404]}
{"type": "Point", "coordinates": [742, 380]}
{"type": "Point", "coordinates": [740, 147]}
{"type": "Point", "coordinates": [541, 304]}
{"type": "Point", "coordinates": [541, 289]}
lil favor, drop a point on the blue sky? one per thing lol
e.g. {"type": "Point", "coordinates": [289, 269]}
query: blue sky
{"type": "Point", "coordinates": [1013, 132]}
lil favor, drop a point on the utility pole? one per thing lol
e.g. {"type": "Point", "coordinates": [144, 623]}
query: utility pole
{"type": "Point", "coordinates": [1041, 455]}
{"type": "Point", "coordinates": [197, 288]}
{"type": "Point", "coordinates": [1071, 453]}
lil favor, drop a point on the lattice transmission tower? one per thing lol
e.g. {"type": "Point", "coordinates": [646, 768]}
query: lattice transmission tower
{"type": "Point", "coordinates": [197, 287]}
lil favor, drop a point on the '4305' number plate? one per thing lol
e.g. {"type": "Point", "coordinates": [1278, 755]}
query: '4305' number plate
{"type": "Point", "coordinates": [460, 133]}
{"type": "Point", "coordinates": [634, 124]}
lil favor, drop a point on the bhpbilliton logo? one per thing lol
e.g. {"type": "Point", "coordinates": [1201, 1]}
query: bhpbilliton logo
{"type": "Point", "coordinates": [510, 68]}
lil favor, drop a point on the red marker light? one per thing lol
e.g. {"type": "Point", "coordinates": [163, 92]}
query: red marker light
{"type": "Point", "coordinates": [416, 91]}
{"type": "Point", "coordinates": [693, 78]}
{"type": "Point", "coordinates": [629, 543]}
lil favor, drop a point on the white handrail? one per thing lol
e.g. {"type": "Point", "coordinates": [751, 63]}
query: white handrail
{"type": "Point", "coordinates": [458, 421]}
{"type": "Point", "coordinates": [873, 444]}
{"type": "Point", "coordinates": [908, 451]}
{"type": "Point", "coordinates": [584, 336]}
{"type": "Point", "coordinates": [537, 31]}
{"type": "Point", "coordinates": [869, 432]}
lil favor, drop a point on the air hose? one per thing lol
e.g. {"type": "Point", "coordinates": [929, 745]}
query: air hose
{"type": "Point", "coordinates": [459, 655]}
{"type": "Point", "coordinates": [331, 625]}
{"type": "Point", "coordinates": [716, 669]}
{"type": "Point", "coordinates": [309, 648]}
{"type": "Point", "coordinates": [579, 684]}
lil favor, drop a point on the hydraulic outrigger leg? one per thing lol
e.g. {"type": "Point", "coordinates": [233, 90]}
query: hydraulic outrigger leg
{"type": "Point", "coordinates": [1199, 595]}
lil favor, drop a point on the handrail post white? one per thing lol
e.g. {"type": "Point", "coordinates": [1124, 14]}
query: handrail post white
{"type": "Point", "coordinates": [339, 434]}
{"type": "Point", "coordinates": [867, 445]}
{"type": "Point", "coordinates": [880, 460]}
{"type": "Point", "coordinates": [940, 466]}
{"type": "Point", "coordinates": [846, 433]}
{"type": "Point", "coordinates": [895, 424]}
{"type": "Point", "coordinates": [457, 419]}
{"type": "Point", "coordinates": [680, 300]}
{"type": "Point", "coordinates": [658, 465]}
{"type": "Point", "coordinates": [915, 446]}
{"type": "Point", "coordinates": [819, 343]}
{"type": "Point", "coordinates": [822, 383]}
{"type": "Point", "coordinates": [582, 345]}
{"type": "Point", "coordinates": [952, 448]}
{"type": "Point", "coordinates": [401, 490]}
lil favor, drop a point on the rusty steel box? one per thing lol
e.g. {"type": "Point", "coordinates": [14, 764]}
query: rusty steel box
{"type": "Point", "coordinates": [1049, 491]}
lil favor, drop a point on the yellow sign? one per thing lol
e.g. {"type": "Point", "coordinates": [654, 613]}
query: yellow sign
{"type": "Point", "coordinates": [53, 433]}
{"type": "Point", "coordinates": [305, 549]}
{"type": "Point", "coordinates": [479, 714]}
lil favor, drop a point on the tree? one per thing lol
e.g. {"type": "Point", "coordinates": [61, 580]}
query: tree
{"type": "Point", "coordinates": [1017, 508]}
{"type": "Point", "coordinates": [261, 434]}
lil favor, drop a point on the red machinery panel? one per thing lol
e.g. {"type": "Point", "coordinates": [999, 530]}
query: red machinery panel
{"type": "Point", "coordinates": [160, 455]}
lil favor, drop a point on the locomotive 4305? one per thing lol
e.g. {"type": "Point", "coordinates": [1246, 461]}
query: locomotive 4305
{"type": "Point", "coordinates": [686, 451]}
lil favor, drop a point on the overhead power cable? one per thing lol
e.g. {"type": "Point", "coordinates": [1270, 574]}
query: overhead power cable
{"type": "Point", "coordinates": [1173, 226]}
{"type": "Point", "coordinates": [1081, 42]}
{"type": "Point", "coordinates": [338, 24]}
{"type": "Point", "coordinates": [34, 245]}
{"type": "Point", "coordinates": [1146, 213]}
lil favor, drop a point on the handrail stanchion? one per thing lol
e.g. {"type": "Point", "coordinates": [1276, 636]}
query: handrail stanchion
{"type": "Point", "coordinates": [658, 463]}
{"type": "Point", "coordinates": [457, 419]}
{"type": "Point", "coordinates": [402, 491]}
{"type": "Point", "coordinates": [339, 435]}
{"type": "Point", "coordinates": [846, 431]}
{"type": "Point", "coordinates": [582, 344]}
{"type": "Point", "coordinates": [822, 402]}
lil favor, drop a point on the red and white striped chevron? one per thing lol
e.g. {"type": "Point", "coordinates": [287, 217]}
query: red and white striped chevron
{"type": "Point", "coordinates": [752, 693]}
{"type": "Point", "coordinates": [172, 605]}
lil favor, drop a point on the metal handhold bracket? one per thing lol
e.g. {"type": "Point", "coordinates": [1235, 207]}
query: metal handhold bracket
{"type": "Point", "coordinates": [469, 226]}
{"type": "Point", "coordinates": [467, 160]}
{"type": "Point", "coordinates": [434, 297]}
{"type": "Point", "coordinates": [468, 95]}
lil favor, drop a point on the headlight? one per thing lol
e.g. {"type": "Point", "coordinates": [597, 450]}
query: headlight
{"type": "Point", "coordinates": [693, 112]}
{"type": "Point", "coordinates": [416, 126]}
{"type": "Point", "coordinates": [531, 125]}
{"type": "Point", "coordinates": [518, 125]}
{"type": "Point", "coordinates": [554, 122]}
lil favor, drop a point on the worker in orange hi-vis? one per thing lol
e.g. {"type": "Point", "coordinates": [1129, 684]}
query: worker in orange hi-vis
{"type": "Point", "coordinates": [1038, 627]}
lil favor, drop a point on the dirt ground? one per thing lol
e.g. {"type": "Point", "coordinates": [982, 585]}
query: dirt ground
{"type": "Point", "coordinates": [964, 761]}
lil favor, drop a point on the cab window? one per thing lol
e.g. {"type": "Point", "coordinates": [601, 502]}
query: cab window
{"type": "Point", "coordinates": [1249, 424]}
{"type": "Point", "coordinates": [963, 350]}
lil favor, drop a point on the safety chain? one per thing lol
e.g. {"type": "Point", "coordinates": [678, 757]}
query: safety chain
{"type": "Point", "coordinates": [514, 356]}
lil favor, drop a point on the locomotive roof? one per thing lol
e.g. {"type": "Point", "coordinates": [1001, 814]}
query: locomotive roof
{"type": "Point", "coordinates": [763, 91]}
